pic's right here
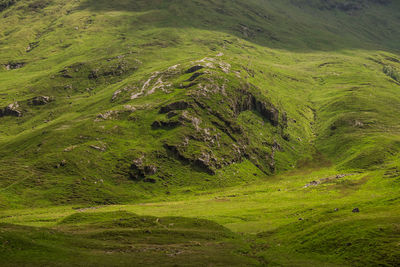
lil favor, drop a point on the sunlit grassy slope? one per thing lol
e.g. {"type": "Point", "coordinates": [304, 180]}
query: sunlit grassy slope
{"type": "Point", "coordinates": [123, 102]}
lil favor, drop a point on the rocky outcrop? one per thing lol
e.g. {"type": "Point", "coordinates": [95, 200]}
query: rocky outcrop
{"type": "Point", "coordinates": [211, 117]}
{"type": "Point", "coordinates": [11, 110]}
{"type": "Point", "coordinates": [139, 171]}
{"type": "Point", "coordinates": [40, 100]}
{"type": "Point", "coordinates": [14, 65]}
{"type": "Point", "coordinates": [106, 115]}
{"type": "Point", "coordinates": [206, 161]}
{"type": "Point", "coordinates": [212, 133]}
{"type": "Point", "coordinates": [327, 179]}
{"type": "Point", "coordinates": [266, 110]}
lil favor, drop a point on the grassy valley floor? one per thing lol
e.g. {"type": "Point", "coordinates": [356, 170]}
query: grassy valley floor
{"type": "Point", "coordinates": [301, 218]}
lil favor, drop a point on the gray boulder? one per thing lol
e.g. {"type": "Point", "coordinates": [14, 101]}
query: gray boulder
{"type": "Point", "coordinates": [40, 100]}
{"type": "Point", "coordinates": [12, 109]}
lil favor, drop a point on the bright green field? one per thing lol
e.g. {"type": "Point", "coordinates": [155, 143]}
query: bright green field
{"type": "Point", "coordinates": [139, 159]}
{"type": "Point", "coordinates": [275, 221]}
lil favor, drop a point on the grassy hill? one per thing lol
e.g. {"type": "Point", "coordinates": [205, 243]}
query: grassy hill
{"type": "Point", "coordinates": [125, 102]}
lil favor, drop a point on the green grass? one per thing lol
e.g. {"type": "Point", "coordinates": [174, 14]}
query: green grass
{"type": "Point", "coordinates": [265, 213]}
{"type": "Point", "coordinates": [289, 92]}
{"type": "Point", "coordinates": [130, 240]}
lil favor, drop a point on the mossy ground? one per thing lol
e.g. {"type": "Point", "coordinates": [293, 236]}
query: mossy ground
{"type": "Point", "coordinates": [330, 73]}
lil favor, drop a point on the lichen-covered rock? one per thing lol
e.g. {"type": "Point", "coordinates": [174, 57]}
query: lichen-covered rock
{"type": "Point", "coordinates": [12, 109]}
{"type": "Point", "coordinates": [40, 100]}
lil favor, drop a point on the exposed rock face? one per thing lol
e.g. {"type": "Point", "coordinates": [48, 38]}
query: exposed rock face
{"type": "Point", "coordinates": [140, 171]}
{"type": "Point", "coordinates": [14, 65]}
{"type": "Point", "coordinates": [150, 170]}
{"type": "Point", "coordinates": [267, 110]}
{"type": "Point", "coordinates": [223, 104]}
{"type": "Point", "coordinates": [180, 105]}
{"type": "Point", "coordinates": [40, 100]}
{"type": "Point", "coordinates": [208, 162]}
{"type": "Point", "coordinates": [205, 162]}
{"type": "Point", "coordinates": [327, 179]}
{"type": "Point", "coordinates": [11, 110]}
{"type": "Point", "coordinates": [208, 128]}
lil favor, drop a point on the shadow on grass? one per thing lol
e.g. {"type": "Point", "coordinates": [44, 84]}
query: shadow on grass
{"type": "Point", "coordinates": [274, 24]}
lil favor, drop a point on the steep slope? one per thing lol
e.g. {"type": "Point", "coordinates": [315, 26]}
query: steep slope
{"type": "Point", "coordinates": [112, 102]}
